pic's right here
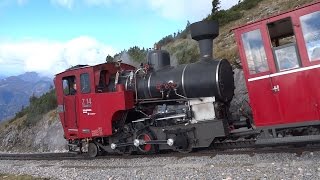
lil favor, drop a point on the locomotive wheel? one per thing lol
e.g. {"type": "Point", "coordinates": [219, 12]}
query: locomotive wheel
{"type": "Point", "coordinates": [147, 148]}
{"type": "Point", "coordinates": [92, 150]}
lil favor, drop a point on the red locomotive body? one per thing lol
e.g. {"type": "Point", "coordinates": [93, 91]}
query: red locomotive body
{"type": "Point", "coordinates": [116, 108]}
{"type": "Point", "coordinates": [89, 110]}
{"type": "Point", "coordinates": [281, 59]}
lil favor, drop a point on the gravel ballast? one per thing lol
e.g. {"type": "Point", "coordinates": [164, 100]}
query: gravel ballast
{"type": "Point", "coordinates": [259, 166]}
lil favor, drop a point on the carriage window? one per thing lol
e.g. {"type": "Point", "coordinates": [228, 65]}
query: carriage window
{"type": "Point", "coordinates": [255, 52]}
{"type": "Point", "coordinates": [85, 83]}
{"type": "Point", "coordinates": [283, 44]}
{"type": "Point", "coordinates": [69, 85]}
{"type": "Point", "coordinates": [311, 33]}
{"type": "Point", "coordinates": [286, 57]}
{"type": "Point", "coordinates": [281, 32]}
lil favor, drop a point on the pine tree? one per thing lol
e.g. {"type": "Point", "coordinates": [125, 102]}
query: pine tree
{"type": "Point", "coordinates": [109, 58]}
{"type": "Point", "coordinates": [215, 6]}
{"type": "Point", "coordinates": [188, 24]}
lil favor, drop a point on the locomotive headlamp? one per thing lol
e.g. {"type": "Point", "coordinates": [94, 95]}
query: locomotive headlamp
{"type": "Point", "coordinates": [113, 146]}
{"type": "Point", "coordinates": [136, 143]}
{"type": "Point", "coordinates": [170, 142]}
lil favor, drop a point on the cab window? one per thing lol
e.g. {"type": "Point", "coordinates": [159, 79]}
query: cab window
{"type": "Point", "coordinates": [255, 52]}
{"type": "Point", "coordinates": [102, 86]}
{"type": "Point", "coordinates": [69, 85]}
{"type": "Point", "coordinates": [310, 24]}
{"type": "Point", "coordinates": [85, 83]}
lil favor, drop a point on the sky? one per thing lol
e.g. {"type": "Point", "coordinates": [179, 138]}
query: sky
{"type": "Point", "coordinates": [48, 36]}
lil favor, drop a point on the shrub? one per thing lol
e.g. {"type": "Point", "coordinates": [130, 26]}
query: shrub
{"type": "Point", "coordinates": [137, 54]}
{"type": "Point", "coordinates": [234, 13]}
{"type": "Point", "coordinates": [39, 106]}
{"type": "Point", "coordinates": [187, 53]}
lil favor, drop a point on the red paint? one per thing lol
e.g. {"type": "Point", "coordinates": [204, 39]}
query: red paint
{"type": "Point", "coordinates": [88, 115]}
{"type": "Point", "coordinates": [147, 147]}
{"type": "Point", "coordinates": [298, 97]}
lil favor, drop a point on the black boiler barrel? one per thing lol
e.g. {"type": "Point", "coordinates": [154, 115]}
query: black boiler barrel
{"type": "Point", "coordinates": [205, 78]}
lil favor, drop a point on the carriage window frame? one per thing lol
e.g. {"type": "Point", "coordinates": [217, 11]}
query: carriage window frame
{"type": "Point", "coordinates": [255, 65]}
{"type": "Point", "coordinates": [311, 35]}
{"type": "Point", "coordinates": [85, 83]}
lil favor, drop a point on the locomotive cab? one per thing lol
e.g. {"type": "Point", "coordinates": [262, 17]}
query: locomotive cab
{"type": "Point", "coordinates": [87, 104]}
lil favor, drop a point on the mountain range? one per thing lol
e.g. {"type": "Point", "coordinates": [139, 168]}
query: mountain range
{"type": "Point", "coordinates": [15, 92]}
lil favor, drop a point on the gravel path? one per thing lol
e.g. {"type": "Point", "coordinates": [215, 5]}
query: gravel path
{"type": "Point", "coordinates": [259, 166]}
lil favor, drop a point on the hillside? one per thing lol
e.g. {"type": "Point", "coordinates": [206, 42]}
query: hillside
{"type": "Point", "coordinates": [43, 136]}
{"type": "Point", "coordinates": [185, 50]}
{"type": "Point", "coordinates": [37, 128]}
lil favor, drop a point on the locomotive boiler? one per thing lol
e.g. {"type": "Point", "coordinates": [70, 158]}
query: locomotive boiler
{"type": "Point", "coordinates": [205, 78]}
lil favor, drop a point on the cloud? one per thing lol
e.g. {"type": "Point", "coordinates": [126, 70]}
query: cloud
{"type": "Point", "coordinates": [22, 2]}
{"type": "Point", "coordinates": [98, 2]}
{"type": "Point", "coordinates": [49, 57]}
{"type": "Point", "coordinates": [69, 4]}
{"type": "Point", "coordinates": [186, 9]}
{"type": "Point", "coordinates": [226, 4]}
{"type": "Point", "coordinates": [170, 9]}
{"type": "Point", "coordinates": [181, 9]}
{"type": "Point", "coordinates": [63, 3]}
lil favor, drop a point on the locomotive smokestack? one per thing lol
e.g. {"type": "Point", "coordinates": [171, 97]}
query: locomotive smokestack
{"type": "Point", "coordinates": [204, 32]}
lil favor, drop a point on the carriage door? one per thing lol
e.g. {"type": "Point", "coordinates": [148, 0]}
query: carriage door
{"type": "Point", "coordinates": [69, 101]}
{"type": "Point", "coordinates": [289, 85]}
{"type": "Point", "coordinates": [257, 70]}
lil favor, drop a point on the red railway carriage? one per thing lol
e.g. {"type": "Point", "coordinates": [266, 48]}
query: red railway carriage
{"type": "Point", "coordinates": [281, 62]}
{"type": "Point", "coordinates": [87, 107]}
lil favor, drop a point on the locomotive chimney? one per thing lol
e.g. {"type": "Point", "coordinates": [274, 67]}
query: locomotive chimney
{"type": "Point", "coordinates": [204, 32]}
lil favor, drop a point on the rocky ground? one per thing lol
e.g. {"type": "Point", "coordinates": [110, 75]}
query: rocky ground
{"type": "Point", "coordinates": [259, 166]}
{"type": "Point", "coordinates": [45, 136]}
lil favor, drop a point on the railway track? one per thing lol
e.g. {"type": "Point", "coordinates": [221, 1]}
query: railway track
{"type": "Point", "coordinates": [207, 152]}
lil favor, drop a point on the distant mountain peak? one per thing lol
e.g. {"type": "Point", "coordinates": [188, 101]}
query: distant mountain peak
{"type": "Point", "coordinates": [16, 90]}
{"type": "Point", "coordinates": [29, 77]}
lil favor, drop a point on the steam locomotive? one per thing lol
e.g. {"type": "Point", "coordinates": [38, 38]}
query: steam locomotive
{"type": "Point", "coordinates": [118, 108]}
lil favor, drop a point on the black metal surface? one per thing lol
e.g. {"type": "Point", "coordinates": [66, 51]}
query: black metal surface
{"type": "Point", "coordinates": [158, 59]}
{"type": "Point", "coordinates": [204, 32]}
{"type": "Point", "coordinates": [201, 134]}
{"type": "Point", "coordinates": [205, 78]}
